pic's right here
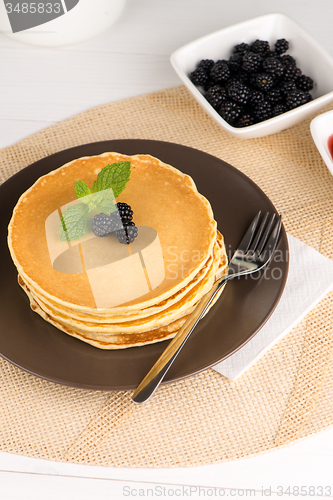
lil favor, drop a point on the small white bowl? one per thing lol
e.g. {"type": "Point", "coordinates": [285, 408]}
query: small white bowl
{"type": "Point", "coordinates": [310, 57]}
{"type": "Point", "coordinates": [321, 129]}
{"type": "Point", "coordinates": [79, 20]}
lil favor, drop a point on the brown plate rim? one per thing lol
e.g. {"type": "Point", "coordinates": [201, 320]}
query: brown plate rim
{"type": "Point", "coordinates": [37, 347]}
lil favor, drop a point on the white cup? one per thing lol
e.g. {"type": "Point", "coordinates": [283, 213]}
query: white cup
{"type": "Point", "coordinates": [57, 22]}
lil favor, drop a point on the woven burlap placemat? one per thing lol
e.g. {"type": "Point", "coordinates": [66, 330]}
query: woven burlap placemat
{"type": "Point", "coordinates": [206, 418]}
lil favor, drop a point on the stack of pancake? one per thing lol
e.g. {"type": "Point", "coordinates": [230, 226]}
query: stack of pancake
{"type": "Point", "coordinates": [100, 291]}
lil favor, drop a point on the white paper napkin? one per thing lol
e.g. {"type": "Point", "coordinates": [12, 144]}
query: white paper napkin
{"type": "Point", "coordinates": [309, 279]}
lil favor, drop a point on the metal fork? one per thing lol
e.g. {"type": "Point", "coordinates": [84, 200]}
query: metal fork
{"type": "Point", "coordinates": [253, 253]}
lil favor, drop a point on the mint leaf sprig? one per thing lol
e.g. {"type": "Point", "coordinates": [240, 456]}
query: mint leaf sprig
{"type": "Point", "coordinates": [75, 221]}
{"type": "Point", "coordinates": [113, 177]}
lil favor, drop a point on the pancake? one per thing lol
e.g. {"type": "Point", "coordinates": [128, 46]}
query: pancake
{"type": "Point", "coordinates": [114, 317]}
{"type": "Point", "coordinates": [137, 325]}
{"type": "Point", "coordinates": [109, 295]}
{"type": "Point", "coordinates": [123, 340]}
{"type": "Point", "coordinates": [162, 198]}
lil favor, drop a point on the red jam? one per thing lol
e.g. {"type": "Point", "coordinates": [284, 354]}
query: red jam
{"type": "Point", "coordinates": [330, 145]}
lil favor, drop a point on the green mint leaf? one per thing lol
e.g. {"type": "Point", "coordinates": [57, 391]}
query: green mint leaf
{"type": "Point", "coordinates": [94, 188]}
{"type": "Point", "coordinates": [92, 200]}
{"type": "Point", "coordinates": [114, 176]}
{"type": "Point", "coordinates": [106, 203]}
{"type": "Point", "coordinates": [75, 222]}
{"type": "Point", "coordinates": [81, 189]}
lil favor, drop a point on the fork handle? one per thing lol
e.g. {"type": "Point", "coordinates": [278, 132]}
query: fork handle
{"type": "Point", "coordinates": [156, 374]}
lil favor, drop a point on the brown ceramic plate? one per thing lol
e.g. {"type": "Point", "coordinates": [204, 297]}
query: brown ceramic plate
{"type": "Point", "coordinates": [32, 344]}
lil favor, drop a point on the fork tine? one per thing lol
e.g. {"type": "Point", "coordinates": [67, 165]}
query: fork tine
{"type": "Point", "coordinates": [264, 238]}
{"type": "Point", "coordinates": [248, 236]}
{"type": "Point", "coordinates": [273, 239]}
{"type": "Point", "coordinates": [257, 237]}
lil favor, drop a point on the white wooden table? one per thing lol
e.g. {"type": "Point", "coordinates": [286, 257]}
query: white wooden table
{"type": "Point", "coordinates": [41, 86]}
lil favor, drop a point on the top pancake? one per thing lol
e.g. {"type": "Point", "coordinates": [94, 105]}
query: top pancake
{"type": "Point", "coordinates": [161, 197]}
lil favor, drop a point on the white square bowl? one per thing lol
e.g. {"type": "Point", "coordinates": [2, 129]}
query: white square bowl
{"type": "Point", "coordinates": [310, 57]}
{"type": "Point", "coordinates": [321, 129]}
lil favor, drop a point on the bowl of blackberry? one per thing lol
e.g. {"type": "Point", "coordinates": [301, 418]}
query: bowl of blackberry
{"type": "Point", "coordinates": [258, 77]}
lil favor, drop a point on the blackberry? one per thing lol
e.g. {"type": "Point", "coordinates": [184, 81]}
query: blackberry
{"type": "Point", "coordinates": [281, 46]}
{"type": "Point", "coordinates": [260, 46]}
{"type": "Point", "coordinates": [263, 81]}
{"type": "Point", "coordinates": [297, 98]}
{"type": "Point", "coordinates": [199, 76]}
{"type": "Point", "coordinates": [256, 83]}
{"type": "Point", "coordinates": [125, 212]}
{"type": "Point", "coordinates": [287, 60]}
{"type": "Point", "coordinates": [235, 62]}
{"type": "Point", "coordinates": [241, 48]}
{"type": "Point", "coordinates": [278, 109]}
{"type": "Point", "coordinates": [103, 224]}
{"type": "Point", "coordinates": [230, 111]}
{"type": "Point", "coordinates": [239, 92]}
{"type": "Point", "coordinates": [256, 96]}
{"type": "Point", "coordinates": [263, 111]}
{"type": "Point", "coordinates": [241, 76]}
{"type": "Point", "coordinates": [304, 82]}
{"type": "Point", "coordinates": [209, 83]}
{"type": "Point", "coordinates": [270, 53]}
{"type": "Point", "coordinates": [274, 95]}
{"type": "Point", "coordinates": [245, 120]}
{"type": "Point", "coordinates": [273, 65]}
{"type": "Point", "coordinates": [128, 233]}
{"type": "Point", "coordinates": [216, 95]}
{"type": "Point", "coordinates": [287, 87]}
{"type": "Point", "coordinates": [291, 72]}
{"type": "Point", "coordinates": [206, 64]}
{"type": "Point", "coordinates": [251, 62]}
{"type": "Point", "coordinates": [220, 72]}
